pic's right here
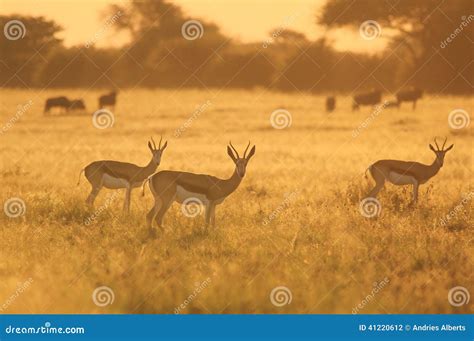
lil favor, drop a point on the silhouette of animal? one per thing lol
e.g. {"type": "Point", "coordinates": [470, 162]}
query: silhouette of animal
{"type": "Point", "coordinates": [108, 100]}
{"type": "Point", "coordinates": [410, 95]}
{"type": "Point", "coordinates": [170, 186]}
{"type": "Point", "coordinates": [330, 103]}
{"type": "Point", "coordinates": [116, 174]}
{"type": "Point", "coordinates": [56, 102]}
{"type": "Point", "coordinates": [368, 98]}
{"type": "Point", "coordinates": [406, 172]}
{"type": "Point", "coordinates": [77, 104]}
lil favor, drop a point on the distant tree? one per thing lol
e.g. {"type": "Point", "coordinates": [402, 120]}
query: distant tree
{"type": "Point", "coordinates": [25, 43]}
{"type": "Point", "coordinates": [418, 27]}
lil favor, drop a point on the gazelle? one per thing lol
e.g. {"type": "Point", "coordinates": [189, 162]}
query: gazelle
{"type": "Point", "coordinates": [170, 186]}
{"type": "Point", "coordinates": [116, 174]}
{"type": "Point", "coordinates": [407, 172]}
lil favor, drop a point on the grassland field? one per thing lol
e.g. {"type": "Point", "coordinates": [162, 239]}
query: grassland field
{"type": "Point", "coordinates": [294, 222]}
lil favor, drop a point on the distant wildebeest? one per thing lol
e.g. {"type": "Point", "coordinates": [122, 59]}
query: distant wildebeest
{"type": "Point", "coordinates": [107, 100]}
{"type": "Point", "coordinates": [409, 95]}
{"type": "Point", "coordinates": [56, 102]}
{"type": "Point", "coordinates": [77, 104]}
{"type": "Point", "coordinates": [368, 98]}
{"type": "Point", "coordinates": [330, 103]}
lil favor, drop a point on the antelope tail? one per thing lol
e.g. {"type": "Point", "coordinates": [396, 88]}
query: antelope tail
{"type": "Point", "coordinates": [79, 179]}
{"type": "Point", "coordinates": [144, 183]}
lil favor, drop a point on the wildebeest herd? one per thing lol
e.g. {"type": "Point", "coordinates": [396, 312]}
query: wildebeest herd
{"type": "Point", "coordinates": [374, 97]}
{"type": "Point", "coordinates": [67, 105]}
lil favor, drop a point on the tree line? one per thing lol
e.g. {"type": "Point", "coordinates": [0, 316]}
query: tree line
{"type": "Point", "coordinates": [163, 53]}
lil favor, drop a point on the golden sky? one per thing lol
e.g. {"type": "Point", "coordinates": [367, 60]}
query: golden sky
{"type": "Point", "coordinates": [245, 20]}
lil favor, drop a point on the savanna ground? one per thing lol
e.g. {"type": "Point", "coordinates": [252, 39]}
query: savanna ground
{"type": "Point", "coordinates": [293, 222]}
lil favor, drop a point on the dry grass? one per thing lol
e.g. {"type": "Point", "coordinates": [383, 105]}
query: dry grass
{"type": "Point", "coordinates": [310, 175]}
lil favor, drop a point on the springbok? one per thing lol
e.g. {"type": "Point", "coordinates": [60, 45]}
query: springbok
{"type": "Point", "coordinates": [116, 174]}
{"type": "Point", "coordinates": [170, 186]}
{"type": "Point", "coordinates": [406, 172]}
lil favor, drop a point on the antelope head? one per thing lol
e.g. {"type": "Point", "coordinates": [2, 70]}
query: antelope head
{"type": "Point", "coordinates": [240, 162]}
{"type": "Point", "coordinates": [440, 152]}
{"type": "Point", "coordinates": [156, 152]}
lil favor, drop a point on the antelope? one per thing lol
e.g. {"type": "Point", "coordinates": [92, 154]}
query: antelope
{"type": "Point", "coordinates": [409, 95]}
{"type": "Point", "coordinates": [407, 172]}
{"type": "Point", "coordinates": [368, 98]}
{"type": "Point", "coordinates": [170, 186]}
{"type": "Point", "coordinates": [116, 174]}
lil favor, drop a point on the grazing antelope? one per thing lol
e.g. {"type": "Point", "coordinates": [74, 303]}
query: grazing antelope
{"type": "Point", "coordinates": [170, 186]}
{"type": "Point", "coordinates": [116, 174]}
{"type": "Point", "coordinates": [407, 172]}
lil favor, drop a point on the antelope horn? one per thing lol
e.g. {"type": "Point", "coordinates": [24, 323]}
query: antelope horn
{"type": "Point", "coordinates": [235, 151]}
{"type": "Point", "coordinates": [245, 153]}
{"type": "Point", "coordinates": [436, 143]}
{"type": "Point", "coordinates": [446, 139]}
{"type": "Point", "coordinates": [154, 144]}
{"type": "Point", "coordinates": [161, 138]}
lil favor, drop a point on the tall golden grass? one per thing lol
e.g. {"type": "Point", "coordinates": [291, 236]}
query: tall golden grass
{"type": "Point", "coordinates": [293, 222]}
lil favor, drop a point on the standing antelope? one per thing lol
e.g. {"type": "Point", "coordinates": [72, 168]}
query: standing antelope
{"type": "Point", "coordinates": [407, 172]}
{"type": "Point", "coordinates": [116, 174]}
{"type": "Point", "coordinates": [169, 186]}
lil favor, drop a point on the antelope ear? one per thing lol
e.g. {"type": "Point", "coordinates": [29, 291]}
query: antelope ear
{"type": "Point", "coordinates": [450, 147]}
{"type": "Point", "coordinates": [252, 152]}
{"type": "Point", "coordinates": [164, 146]}
{"type": "Point", "coordinates": [149, 146]}
{"type": "Point", "coordinates": [432, 148]}
{"type": "Point", "coordinates": [231, 154]}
